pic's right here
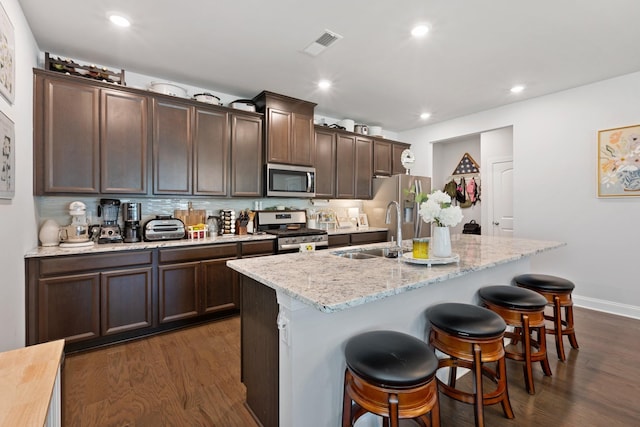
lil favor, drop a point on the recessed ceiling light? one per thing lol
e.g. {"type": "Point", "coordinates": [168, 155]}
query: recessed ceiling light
{"type": "Point", "coordinates": [517, 89]}
{"type": "Point", "coordinates": [419, 31]}
{"type": "Point", "coordinates": [119, 20]}
{"type": "Point", "coordinates": [324, 84]}
{"type": "Point", "coordinates": [425, 116]}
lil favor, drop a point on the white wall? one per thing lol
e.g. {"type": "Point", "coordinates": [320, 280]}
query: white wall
{"type": "Point", "coordinates": [555, 158]}
{"type": "Point", "coordinates": [17, 231]}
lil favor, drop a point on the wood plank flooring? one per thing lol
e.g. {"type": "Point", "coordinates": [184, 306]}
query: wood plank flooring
{"type": "Point", "coordinates": [192, 378]}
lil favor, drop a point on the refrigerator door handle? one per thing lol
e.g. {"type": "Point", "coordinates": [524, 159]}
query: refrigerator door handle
{"type": "Point", "coordinates": [417, 221]}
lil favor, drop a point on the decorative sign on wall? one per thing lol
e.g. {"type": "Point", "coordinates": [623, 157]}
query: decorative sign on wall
{"type": "Point", "coordinates": [7, 160]}
{"type": "Point", "coordinates": [466, 165]}
{"type": "Point", "coordinates": [7, 57]}
{"type": "Point", "coordinates": [619, 162]}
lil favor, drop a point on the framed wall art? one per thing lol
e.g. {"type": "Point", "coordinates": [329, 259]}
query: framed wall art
{"type": "Point", "coordinates": [7, 160]}
{"type": "Point", "coordinates": [619, 162]}
{"type": "Point", "coordinates": [7, 57]}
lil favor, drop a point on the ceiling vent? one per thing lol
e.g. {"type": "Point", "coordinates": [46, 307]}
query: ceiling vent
{"type": "Point", "coordinates": [324, 41]}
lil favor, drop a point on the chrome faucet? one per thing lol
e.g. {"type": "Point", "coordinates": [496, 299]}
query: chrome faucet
{"type": "Point", "coordinates": [398, 223]}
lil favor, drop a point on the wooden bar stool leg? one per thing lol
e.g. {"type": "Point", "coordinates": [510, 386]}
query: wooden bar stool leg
{"type": "Point", "coordinates": [526, 341]}
{"type": "Point", "coordinates": [506, 404]}
{"type": "Point", "coordinates": [393, 409]}
{"type": "Point", "coordinates": [542, 341]}
{"type": "Point", "coordinates": [572, 333]}
{"type": "Point", "coordinates": [479, 404]}
{"type": "Point", "coordinates": [557, 314]}
{"type": "Point", "coordinates": [453, 373]}
{"type": "Point", "coordinates": [346, 404]}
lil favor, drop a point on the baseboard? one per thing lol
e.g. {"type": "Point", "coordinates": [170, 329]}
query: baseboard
{"type": "Point", "coordinates": [607, 306]}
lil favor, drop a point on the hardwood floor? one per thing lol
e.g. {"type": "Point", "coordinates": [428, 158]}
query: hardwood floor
{"type": "Point", "coordinates": [192, 378]}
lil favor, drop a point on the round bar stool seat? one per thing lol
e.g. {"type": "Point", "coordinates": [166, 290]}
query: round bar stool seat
{"type": "Point", "coordinates": [524, 310]}
{"type": "Point", "coordinates": [472, 337]}
{"type": "Point", "coordinates": [557, 291]}
{"type": "Point", "coordinates": [390, 374]}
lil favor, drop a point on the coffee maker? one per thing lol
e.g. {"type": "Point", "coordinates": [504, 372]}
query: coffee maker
{"type": "Point", "coordinates": [131, 216]}
{"type": "Point", "coordinates": [108, 209]}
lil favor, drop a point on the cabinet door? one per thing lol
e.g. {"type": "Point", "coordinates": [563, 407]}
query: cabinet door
{"type": "Point", "coordinates": [279, 135]}
{"type": "Point", "coordinates": [397, 167]}
{"type": "Point", "coordinates": [246, 156]}
{"type": "Point", "coordinates": [126, 300]}
{"type": "Point", "coordinates": [382, 154]}
{"type": "Point", "coordinates": [69, 308]}
{"type": "Point", "coordinates": [171, 148]}
{"type": "Point", "coordinates": [124, 142]}
{"type": "Point", "coordinates": [364, 167]}
{"type": "Point", "coordinates": [178, 291]}
{"type": "Point", "coordinates": [210, 152]}
{"type": "Point", "coordinates": [345, 166]}
{"type": "Point", "coordinates": [303, 147]}
{"type": "Point", "coordinates": [69, 142]}
{"type": "Point", "coordinates": [325, 164]}
{"type": "Point", "coordinates": [220, 286]}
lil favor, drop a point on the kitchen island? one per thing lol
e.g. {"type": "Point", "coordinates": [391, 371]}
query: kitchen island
{"type": "Point", "coordinates": [299, 309]}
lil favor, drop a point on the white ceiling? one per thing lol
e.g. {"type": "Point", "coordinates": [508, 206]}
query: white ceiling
{"type": "Point", "coordinates": [475, 51]}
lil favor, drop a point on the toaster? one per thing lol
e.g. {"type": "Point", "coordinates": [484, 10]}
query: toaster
{"type": "Point", "coordinates": [163, 228]}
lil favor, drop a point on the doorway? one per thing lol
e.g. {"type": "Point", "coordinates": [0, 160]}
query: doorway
{"type": "Point", "coordinates": [500, 218]}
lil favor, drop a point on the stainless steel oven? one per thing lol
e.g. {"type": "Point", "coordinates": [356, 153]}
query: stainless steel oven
{"type": "Point", "coordinates": [291, 231]}
{"type": "Point", "coordinates": [290, 181]}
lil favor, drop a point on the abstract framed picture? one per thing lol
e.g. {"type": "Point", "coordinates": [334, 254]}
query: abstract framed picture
{"type": "Point", "coordinates": [7, 57]}
{"type": "Point", "coordinates": [619, 162]}
{"type": "Point", "coordinates": [7, 160]}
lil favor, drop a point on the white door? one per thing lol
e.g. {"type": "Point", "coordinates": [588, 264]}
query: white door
{"type": "Point", "coordinates": [501, 215]}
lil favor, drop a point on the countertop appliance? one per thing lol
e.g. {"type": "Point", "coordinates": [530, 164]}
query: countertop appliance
{"type": "Point", "coordinates": [291, 229]}
{"type": "Point", "coordinates": [401, 189]}
{"type": "Point", "coordinates": [163, 227]}
{"type": "Point", "coordinates": [109, 209]}
{"type": "Point", "coordinates": [131, 213]}
{"type": "Point", "coordinates": [290, 181]}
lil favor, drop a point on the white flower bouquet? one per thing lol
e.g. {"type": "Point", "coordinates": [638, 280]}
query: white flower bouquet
{"type": "Point", "coordinates": [438, 209]}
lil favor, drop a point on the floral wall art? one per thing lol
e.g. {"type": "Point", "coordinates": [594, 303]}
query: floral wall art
{"type": "Point", "coordinates": [619, 162]}
{"type": "Point", "coordinates": [7, 158]}
{"type": "Point", "coordinates": [7, 57]}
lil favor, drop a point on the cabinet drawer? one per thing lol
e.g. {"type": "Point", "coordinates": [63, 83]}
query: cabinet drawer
{"type": "Point", "coordinates": [338, 240]}
{"type": "Point", "coordinates": [229, 250]}
{"type": "Point", "coordinates": [77, 263]}
{"type": "Point", "coordinates": [372, 237]}
{"type": "Point", "coordinates": [265, 247]}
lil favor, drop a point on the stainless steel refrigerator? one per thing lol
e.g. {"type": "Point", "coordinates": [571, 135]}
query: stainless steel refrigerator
{"type": "Point", "coordinates": [402, 189]}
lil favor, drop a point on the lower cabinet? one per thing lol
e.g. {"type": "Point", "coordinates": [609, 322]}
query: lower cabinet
{"type": "Point", "coordinates": [361, 238]}
{"type": "Point", "coordinates": [96, 299]}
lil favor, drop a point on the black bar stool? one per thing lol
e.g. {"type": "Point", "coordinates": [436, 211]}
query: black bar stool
{"type": "Point", "coordinates": [557, 291]}
{"type": "Point", "coordinates": [390, 374]}
{"type": "Point", "coordinates": [472, 337]}
{"type": "Point", "coordinates": [524, 310]}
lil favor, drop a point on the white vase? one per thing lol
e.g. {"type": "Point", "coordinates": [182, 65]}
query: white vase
{"type": "Point", "coordinates": [49, 233]}
{"type": "Point", "coordinates": [441, 242]}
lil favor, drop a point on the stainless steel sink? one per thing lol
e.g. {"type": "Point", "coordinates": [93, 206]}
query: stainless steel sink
{"type": "Point", "coordinates": [367, 253]}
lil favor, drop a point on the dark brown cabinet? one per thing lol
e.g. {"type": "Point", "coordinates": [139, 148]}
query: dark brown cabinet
{"type": "Point", "coordinates": [289, 136]}
{"type": "Point", "coordinates": [345, 166]}
{"type": "Point", "coordinates": [196, 281]}
{"type": "Point", "coordinates": [382, 157]}
{"type": "Point", "coordinates": [88, 138]}
{"type": "Point", "coordinates": [363, 167]}
{"type": "Point", "coordinates": [360, 238]}
{"type": "Point", "coordinates": [211, 140]}
{"type": "Point", "coordinates": [325, 163]}
{"type": "Point", "coordinates": [88, 298]}
{"type": "Point", "coordinates": [246, 155]}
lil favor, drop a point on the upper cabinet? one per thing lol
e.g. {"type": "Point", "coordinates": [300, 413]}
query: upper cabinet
{"type": "Point", "coordinates": [396, 163]}
{"type": "Point", "coordinates": [88, 138]}
{"type": "Point", "coordinates": [288, 129]}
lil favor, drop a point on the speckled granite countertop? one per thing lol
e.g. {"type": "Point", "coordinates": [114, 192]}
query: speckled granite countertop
{"type": "Point", "coordinates": [332, 283]}
{"type": "Point", "coordinates": [41, 251]}
{"type": "Point", "coordinates": [355, 230]}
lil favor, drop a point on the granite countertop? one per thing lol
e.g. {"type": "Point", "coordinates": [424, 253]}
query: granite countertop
{"type": "Point", "coordinates": [332, 283]}
{"type": "Point", "coordinates": [42, 251]}
{"type": "Point", "coordinates": [353, 230]}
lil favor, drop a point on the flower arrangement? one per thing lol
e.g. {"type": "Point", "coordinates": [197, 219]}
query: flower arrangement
{"type": "Point", "coordinates": [438, 209]}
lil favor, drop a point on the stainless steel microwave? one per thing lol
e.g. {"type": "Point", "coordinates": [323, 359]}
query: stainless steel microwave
{"type": "Point", "coordinates": [290, 181]}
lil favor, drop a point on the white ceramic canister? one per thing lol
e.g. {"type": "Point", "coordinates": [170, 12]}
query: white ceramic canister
{"type": "Point", "coordinates": [347, 124]}
{"type": "Point", "coordinates": [49, 233]}
{"type": "Point", "coordinates": [375, 130]}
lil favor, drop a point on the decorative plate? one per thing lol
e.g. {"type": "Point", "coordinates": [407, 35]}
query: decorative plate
{"type": "Point", "coordinates": [408, 257]}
